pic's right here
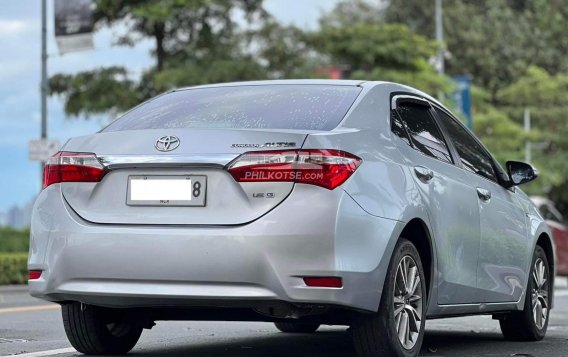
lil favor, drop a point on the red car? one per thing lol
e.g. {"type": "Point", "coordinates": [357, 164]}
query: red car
{"type": "Point", "coordinates": [559, 230]}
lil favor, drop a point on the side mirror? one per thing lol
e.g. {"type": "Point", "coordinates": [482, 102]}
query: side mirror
{"type": "Point", "coordinates": [520, 172]}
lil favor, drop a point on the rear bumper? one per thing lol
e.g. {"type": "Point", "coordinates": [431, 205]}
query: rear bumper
{"type": "Point", "coordinates": [153, 266]}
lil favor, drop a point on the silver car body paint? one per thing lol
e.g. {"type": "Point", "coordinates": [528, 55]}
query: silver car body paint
{"type": "Point", "coordinates": [95, 249]}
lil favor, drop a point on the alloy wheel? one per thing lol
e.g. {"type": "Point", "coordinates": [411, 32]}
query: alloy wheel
{"type": "Point", "coordinates": [408, 302]}
{"type": "Point", "coordinates": [540, 294]}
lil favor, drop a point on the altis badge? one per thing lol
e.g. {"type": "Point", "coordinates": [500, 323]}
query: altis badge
{"type": "Point", "coordinates": [266, 145]}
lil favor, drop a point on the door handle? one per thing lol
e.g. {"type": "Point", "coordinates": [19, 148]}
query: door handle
{"type": "Point", "coordinates": [423, 173]}
{"type": "Point", "coordinates": [483, 194]}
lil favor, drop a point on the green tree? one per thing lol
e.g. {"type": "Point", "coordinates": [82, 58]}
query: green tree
{"type": "Point", "coordinates": [349, 12]}
{"type": "Point", "coordinates": [196, 41]}
{"type": "Point", "coordinates": [284, 51]}
{"type": "Point", "coordinates": [546, 96]}
{"type": "Point", "coordinates": [177, 26]}
{"type": "Point", "coordinates": [494, 41]}
{"type": "Point", "coordinates": [377, 51]}
{"type": "Point", "coordinates": [94, 92]}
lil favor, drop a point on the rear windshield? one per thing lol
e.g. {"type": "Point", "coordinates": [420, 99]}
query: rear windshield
{"type": "Point", "coordinates": [308, 107]}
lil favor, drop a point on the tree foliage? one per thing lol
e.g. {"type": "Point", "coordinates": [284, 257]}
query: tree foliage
{"type": "Point", "coordinates": [196, 41]}
{"type": "Point", "coordinates": [95, 92]}
{"type": "Point", "coordinates": [368, 46]}
{"type": "Point", "coordinates": [180, 28]}
{"type": "Point", "coordinates": [493, 40]}
{"type": "Point", "coordinates": [284, 51]}
{"type": "Point", "coordinates": [546, 96]}
{"type": "Point", "coordinates": [378, 51]}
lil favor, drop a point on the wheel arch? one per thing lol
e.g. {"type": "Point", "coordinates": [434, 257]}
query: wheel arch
{"type": "Point", "coordinates": [545, 242]}
{"type": "Point", "coordinates": [417, 232]}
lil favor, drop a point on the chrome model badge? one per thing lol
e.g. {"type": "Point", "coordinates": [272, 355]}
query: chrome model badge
{"type": "Point", "coordinates": [266, 145]}
{"type": "Point", "coordinates": [167, 143]}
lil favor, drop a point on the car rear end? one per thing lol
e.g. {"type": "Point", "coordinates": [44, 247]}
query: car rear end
{"type": "Point", "coordinates": [234, 212]}
{"type": "Point", "coordinates": [559, 230]}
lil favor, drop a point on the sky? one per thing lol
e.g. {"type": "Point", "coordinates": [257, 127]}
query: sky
{"type": "Point", "coordinates": [20, 45]}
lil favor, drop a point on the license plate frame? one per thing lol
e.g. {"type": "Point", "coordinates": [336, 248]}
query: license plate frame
{"type": "Point", "coordinates": [148, 188]}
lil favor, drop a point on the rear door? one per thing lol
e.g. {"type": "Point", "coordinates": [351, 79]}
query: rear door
{"type": "Point", "coordinates": [504, 245]}
{"type": "Point", "coordinates": [452, 202]}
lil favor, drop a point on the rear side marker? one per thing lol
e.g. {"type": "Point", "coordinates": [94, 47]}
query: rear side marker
{"type": "Point", "coordinates": [34, 274]}
{"type": "Point", "coordinates": [323, 282]}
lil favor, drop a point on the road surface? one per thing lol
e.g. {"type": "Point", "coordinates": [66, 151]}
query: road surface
{"type": "Point", "coordinates": [33, 328]}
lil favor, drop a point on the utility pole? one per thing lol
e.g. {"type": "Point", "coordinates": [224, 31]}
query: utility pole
{"type": "Point", "coordinates": [440, 36]}
{"type": "Point", "coordinates": [528, 144]}
{"type": "Point", "coordinates": [43, 74]}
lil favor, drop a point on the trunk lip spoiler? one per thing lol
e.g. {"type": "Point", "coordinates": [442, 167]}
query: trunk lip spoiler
{"type": "Point", "coordinates": [111, 162]}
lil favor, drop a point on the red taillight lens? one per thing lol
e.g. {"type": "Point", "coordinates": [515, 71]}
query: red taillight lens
{"type": "Point", "coordinates": [34, 274]}
{"type": "Point", "coordinates": [325, 168]}
{"type": "Point", "coordinates": [72, 167]}
{"type": "Point", "coordinates": [323, 282]}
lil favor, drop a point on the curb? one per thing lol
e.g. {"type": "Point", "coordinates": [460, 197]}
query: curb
{"type": "Point", "coordinates": [13, 288]}
{"type": "Point", "coordinates": [561, 282]}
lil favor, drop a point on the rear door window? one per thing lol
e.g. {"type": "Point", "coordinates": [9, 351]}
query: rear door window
{"type": "Point", "coordinates": [304, 107]}
{"type": "Point", "coordinates": [473, 155]}
{"type": "Point", "coordinates": [424, 133]}
{"type": "Point", "coordinates": [398, 128]}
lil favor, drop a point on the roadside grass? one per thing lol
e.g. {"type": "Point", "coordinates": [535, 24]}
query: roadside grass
{"type": "Point", "coordinates": [14, 240]}
{"type": "Point", "coordinates": [14, 246]}
{"type": "Point", "coordinates": [13, 268]}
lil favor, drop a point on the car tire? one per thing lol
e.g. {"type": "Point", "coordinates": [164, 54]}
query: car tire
{"type": "Point", "coordinates": [92, 331]}
{"type": "Point", "coordinates": [378, 334]}
{"type": "Point", "coordinates": [296, 327]}
{"type": "Point", "coordinates": [531, 323]}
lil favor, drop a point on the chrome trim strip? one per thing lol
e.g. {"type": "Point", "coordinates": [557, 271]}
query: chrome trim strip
{"type": "Point", "coordinates": [111, 162]}
{"type": "Point", "coordinates": [482, 304]}
{"type": "Point", "coordinates": [401, 97]}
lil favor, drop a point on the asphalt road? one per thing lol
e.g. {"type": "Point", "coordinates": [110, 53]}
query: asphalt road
{"type": "Point", "coordinates": [32, 328]}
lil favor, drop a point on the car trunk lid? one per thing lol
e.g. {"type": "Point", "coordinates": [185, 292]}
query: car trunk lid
{"type": "Point", "coordinates": [201, 155]}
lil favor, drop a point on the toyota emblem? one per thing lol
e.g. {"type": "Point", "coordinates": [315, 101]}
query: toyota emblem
{"type": "Point", "coordinates": [167, 143]}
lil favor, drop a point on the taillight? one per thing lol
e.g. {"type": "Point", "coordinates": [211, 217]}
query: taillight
{"type": "Point", "coordinates": [325, 168]}
{"type": "Point", "coordinates": [72, 167]}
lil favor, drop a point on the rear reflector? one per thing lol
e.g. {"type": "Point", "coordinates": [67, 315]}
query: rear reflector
{"type": "Point", "coordinates": [72, 167]}
{"type": "Point", "coordinates": [324, 168]}
{"type": "Point", "coordinates": [34, 274]}
{"type": "Point", "coordinates": [323, 282]}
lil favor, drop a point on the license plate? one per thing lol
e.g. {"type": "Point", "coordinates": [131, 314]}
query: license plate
{"type": "Point", "coordinates": [186, 190]}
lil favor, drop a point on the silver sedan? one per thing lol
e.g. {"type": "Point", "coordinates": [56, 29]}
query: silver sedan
{"type": "Point", "coordinates": [301, 203]}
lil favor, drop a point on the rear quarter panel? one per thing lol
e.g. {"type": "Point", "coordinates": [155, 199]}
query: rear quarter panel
{"type": "Point", "coordinates": [536, 227]}
{"type": "Point", "coordinates": [382, 185]}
